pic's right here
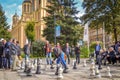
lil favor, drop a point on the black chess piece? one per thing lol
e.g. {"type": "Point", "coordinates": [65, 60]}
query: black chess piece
{"type": "Point", "coordinates": [51, 66]}
{"type": "Point", "coordinates": [28, 72]}
{"type": "Point", "coordinates": [74, 66]}
{"type": "Point", "coordinates": [26, 65]}
{"type": "Point", "coordinates": [38, 71]}
{"type": "Point", "coordinates": [56, 73]}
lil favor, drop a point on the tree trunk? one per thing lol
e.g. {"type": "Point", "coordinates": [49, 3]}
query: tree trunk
{"type": "Point", "coordinates": [115, 32]}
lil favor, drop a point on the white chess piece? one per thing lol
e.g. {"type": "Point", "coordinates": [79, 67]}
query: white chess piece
{"type": "Point", "coordinates": [73, 62]}
{"type": "Point", "coordinates": [84, 64]}
{"type": "Point", "coordinates": [32, 66]}
{"type": "Point", "coordinates": [22, 65]}
{"type": "Point", "coordinates": [35, 64]}
{"type": "Point", "coordinates": [97, 72]}
{"type": "Point", "coordinates": [92, 66]}
{"type": "Point", "coordinates": [92, 69]}
{"type": "Point", "coordinates": [45, 67]}
{"type": "Point", "coordinates": [108, 71]}
{"type": "Point", "coordinates": [60, 71]}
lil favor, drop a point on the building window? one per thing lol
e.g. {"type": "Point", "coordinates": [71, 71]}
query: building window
{"type": "Point", "coordinates": [48, 0]}
{"type": "Point", "coordinates": [28, 8]}
{"type": "Point", "coordinates": [24, 7]}
{"type": "Point", "coordinates": [39, 2]}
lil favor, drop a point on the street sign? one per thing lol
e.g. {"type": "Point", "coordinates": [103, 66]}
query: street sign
{"type": "Point", "coordinates": [57, 31]}
{"type": "Point", "coordinates": [80, 42]}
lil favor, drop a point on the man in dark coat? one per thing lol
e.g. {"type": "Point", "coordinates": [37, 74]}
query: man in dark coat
{"type": "Point", "coordinates": [111, 57]}
{"type": "Point", "coordinates": [1, 53]}
{"type": "Point", "coordinates": [118, 55]}
{"type": "Point", "coordinates": [77, 53]}
{"type": "Point", "coordinates": [67, 51]}
{"type": "Point", "coordinates": [8, 53]}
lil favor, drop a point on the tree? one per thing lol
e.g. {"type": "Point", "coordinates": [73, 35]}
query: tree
{"type": "Point", "coordinates": [30, 32]}
{"type": "Point", "coordinates": [99, 11]}
{"type": "Point", "coordinates": [63, 14]}
{"type": "Point", "coordinates": [4, 33]}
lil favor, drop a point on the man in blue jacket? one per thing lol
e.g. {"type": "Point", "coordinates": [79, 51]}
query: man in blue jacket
{"type": "Point", "coordinates": [97, 50]}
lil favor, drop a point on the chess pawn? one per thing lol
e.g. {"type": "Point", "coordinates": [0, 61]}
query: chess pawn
{"type": "Point", "coordinates": [92, 66]}
{"type": "Point", "coordinates": [51, 66]}
{"type": "Point", "coordinates": [74, 67]}
{"type": "Point", "coordinates": [97, 72]}
{"type": "Point", "coordinates": [92, 72]}
{"type": "Point", "coordinates": [73, 62]}
{"type": "Point", "coordinates": [32, 66]}
{"type": "Point", "coordinates": [108, 71]}
{"type": "Point", "coordinates": [92, 60]}
{"type": "Point", "coordinates": [45, 67]}
{"type": "Point", "coordinates": [28, 72]}
{"type": "Point", "coordinates": [60, 71]}
{"type": "Point", "coordinates": [22, 65]}
{"type": "Point", "coordinates": [84, 64]}
{"type": "Point", "coordinates": [38, 70]}
{"type": "Point", "coordinates": [35, 64]}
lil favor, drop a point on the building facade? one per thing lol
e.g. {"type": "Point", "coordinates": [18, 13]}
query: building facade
{"type": "Point", "coordinates": [32, 10]}
{"type": "Point", "coordinates": [99, 35]}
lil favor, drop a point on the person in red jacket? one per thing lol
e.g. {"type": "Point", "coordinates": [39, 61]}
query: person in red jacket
{"type": "Point", "coordinates": [48, 53]}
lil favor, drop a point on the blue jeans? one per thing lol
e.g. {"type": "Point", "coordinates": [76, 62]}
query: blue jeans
{"type": "Point", "coordinates": [27, 56]}
{"type": "Point", "coordinates": [61, 60]}
{"type": "Point", "coordinates": [49, 58]}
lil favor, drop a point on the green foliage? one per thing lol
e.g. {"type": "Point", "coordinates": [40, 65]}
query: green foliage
{"type": "Point", "coordinates": [4, 33]}
{"type": "Point", "coordinates": [63, 15]}
{"type": "Point", "coordinates": [92, 46]}
{"type": "Point", "coordinates": [84, 52]}
{"type": "Point", "coordinates": [38, 49]}
{"type": "Point", "coordinates": [30, 32]}
{"type": "Point", "coordinates": [99, 11]}
{"type": "Point", "coordinates": [23, 55]}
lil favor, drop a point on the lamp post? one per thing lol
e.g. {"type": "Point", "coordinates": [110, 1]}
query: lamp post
{"type": "Point", "coordinates": [97, 32]}
{"type": "Point", "coordinates": [54, 28]}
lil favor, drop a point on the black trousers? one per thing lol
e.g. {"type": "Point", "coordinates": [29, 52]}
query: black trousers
{"type": "Point", "coordinates": [111, 59]}
{"type": "Point", "coordinates": [68, 57]}
{"type": "Point", "coordinates": [78, 58]}
{"type": "Point", "coordinates": [8, 61]}
{"type": "Point", "coordinates": [118, 59]}
{"type": "Point", "coordinates": [97, 53]}
{"type": "Point", "coordinates": [1, 62]}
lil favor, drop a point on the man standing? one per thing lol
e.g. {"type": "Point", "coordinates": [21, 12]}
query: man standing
{"type": "Point", "coordinates": [67, 51]}
{"type": "Point", "coordinates": [48, 53]}
{"type": "Point", "coordinates": [26, 50]}
{"type": "Point", "coordinates": [8, 53]}
{"type": "Point", "coordinates": [77, 53]}
{"type": "Point", "coordinates": [97, 50]}
{"type": "Point", "coordinates": [1, 53]}
{"type": "Point", "coordinates": [13, 54]}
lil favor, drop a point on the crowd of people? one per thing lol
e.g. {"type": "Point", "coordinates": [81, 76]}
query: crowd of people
{"type": "Point", "coordinates": [62, 55]}
{"type": "Point", "coordinates": [10, 54]}
{"type": "Point", "coordinates": [110, 55]}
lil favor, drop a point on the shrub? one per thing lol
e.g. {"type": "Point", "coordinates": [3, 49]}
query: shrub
{"type": "Point", "coordinates": [84, 52]}
{"type": "Point", "coordinates": [38, 49]}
